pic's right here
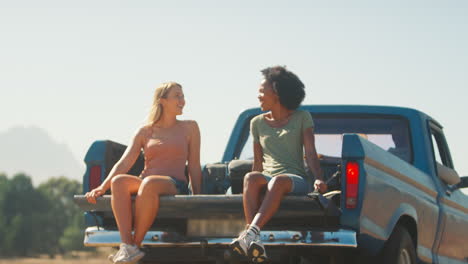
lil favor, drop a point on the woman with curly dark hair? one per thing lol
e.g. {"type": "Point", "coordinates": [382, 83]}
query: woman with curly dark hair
{"type": "Point", "coordinates": [281, 135]}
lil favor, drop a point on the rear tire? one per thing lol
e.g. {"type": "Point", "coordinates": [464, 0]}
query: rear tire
{"type": "Point", "coordinates": [399, 248]}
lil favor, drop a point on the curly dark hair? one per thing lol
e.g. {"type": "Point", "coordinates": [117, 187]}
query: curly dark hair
{"type": "Point", "coordinates": [287, 86]}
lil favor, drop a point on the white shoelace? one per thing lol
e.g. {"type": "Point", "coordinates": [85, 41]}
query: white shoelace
{"type": "Point", "coordinates": [124, 251]}
{"type": "Point", "coordinates": [249, 236]}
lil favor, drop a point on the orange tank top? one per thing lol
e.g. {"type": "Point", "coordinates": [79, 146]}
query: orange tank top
{"type": "Point", "coordinates": [166, 154]}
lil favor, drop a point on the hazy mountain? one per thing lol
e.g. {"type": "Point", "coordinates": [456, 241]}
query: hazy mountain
{"type": "Point", "coordinates": [32, 151]}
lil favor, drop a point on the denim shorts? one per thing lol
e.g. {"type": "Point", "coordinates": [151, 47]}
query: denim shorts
{"type": "Point", "coordinates": [181, 186]}
{"type": "Point", "coordinates": [299, 185]}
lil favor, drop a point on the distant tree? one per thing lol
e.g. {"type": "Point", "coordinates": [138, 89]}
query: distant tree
{"type": "Point", "coordinates": [61, 190]}
{"type": "Point", "coordinates": [12, 237]}
{"type": "Point", "coordinates": [3, 191]}
{"type": "Point", "coordinates": [22, 208]}
{"type": "Point", "coordinates": [72, 238]}
{"type": "Point", "coordinates": [39, 220]}
{"type": "Point", "coordinates": [66, 232]}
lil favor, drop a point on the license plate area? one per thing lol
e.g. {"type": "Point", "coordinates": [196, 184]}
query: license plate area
{"type": "Point", "coordinates": [229, 227]}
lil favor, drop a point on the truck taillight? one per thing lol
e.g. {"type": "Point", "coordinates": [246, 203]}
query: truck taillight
{"type": "Point", "coordinates": [352, 184]}
{"type": "Point", "coordinates": [94, 177]}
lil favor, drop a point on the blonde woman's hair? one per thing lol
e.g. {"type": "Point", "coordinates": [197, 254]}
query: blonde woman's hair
{"type": "Point", "coordinates": [156, 109]}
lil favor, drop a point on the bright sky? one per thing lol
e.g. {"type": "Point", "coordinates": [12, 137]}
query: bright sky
{"type": "Point", "coordinates": [87, 70]}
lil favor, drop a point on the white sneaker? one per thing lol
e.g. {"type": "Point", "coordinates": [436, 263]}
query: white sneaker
{"type": "Point", "coordinates": [241, 244]}
{"type": "Point", "coordinates": [128, 254]}
{"type": "Point", "coordinates": [111, 257]}
{"type": "Point", "coordinates": [257, 251]}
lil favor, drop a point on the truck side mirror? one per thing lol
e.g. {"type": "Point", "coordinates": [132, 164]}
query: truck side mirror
{"type": "Point", "coordinates": [463, 182]}
{"type": "Point", "coordinates": [448, 175]}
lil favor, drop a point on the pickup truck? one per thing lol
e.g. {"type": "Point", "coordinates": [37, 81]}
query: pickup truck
{"type": "Point", "coordinates": [394, 197]}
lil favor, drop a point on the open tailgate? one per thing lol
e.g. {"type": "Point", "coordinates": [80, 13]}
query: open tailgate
{"type": "Point", "coordinates": [186, 220]}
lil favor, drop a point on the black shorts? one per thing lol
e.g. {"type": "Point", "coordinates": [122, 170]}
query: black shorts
{"type": "Point", "coordinates": [181, 186]}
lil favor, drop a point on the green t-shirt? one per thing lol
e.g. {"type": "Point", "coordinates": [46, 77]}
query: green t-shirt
{"type": "Point", "coordinates": [283, 147]}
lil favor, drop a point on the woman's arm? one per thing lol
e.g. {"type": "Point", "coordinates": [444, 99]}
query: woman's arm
{"type": "Point", "coordinates": [194, 168]}
{"type": "Point", "coordinates": [122, 166]}
{"type": "Point", "coordinates": [312, 159]}
{"type": "Point", "coordinates": [258, 157]}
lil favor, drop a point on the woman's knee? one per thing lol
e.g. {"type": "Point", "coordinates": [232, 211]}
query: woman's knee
{"type": "Point", "coordinates": [125, 183]}
{"type": "Point", "coordinates": [153, 184]}
{"type": "Point", "coordinates": [149, 182]}
{"type": "Point", "coordinates": [119, 181]}
{"type": "Point", "coordinates": [280, 183]}
{"type": "Point", "coordinates": [254, 179]}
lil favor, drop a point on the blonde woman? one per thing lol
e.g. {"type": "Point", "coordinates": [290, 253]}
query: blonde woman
{"type": "Point", "coordinates": [169, 144]}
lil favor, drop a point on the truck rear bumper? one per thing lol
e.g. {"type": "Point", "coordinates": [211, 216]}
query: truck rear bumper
{"type": "Point", "coordinates": [98, 237]}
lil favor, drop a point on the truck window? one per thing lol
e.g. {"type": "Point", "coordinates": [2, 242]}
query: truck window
{"type": "Point", "coordinates": [247, 151]}
{"type": "Point", "coordinates": [439, 146]}
{"type": "Point", "coordinates": [436, 150]}
{"type": "Point", "coordinates": [389, 132]}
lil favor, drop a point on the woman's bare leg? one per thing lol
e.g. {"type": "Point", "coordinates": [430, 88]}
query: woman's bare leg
{"type": "Point", "coordinates": [254, 187]}
{"type": "Point", "coordinates": [147, 203]}
{"type": "Point", "coordinates": [278, 187]}
{"type": "Point", "coordinates": [123, 186]}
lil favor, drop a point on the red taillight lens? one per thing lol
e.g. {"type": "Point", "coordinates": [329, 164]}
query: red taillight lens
{"type": "Point", "coordinates": [94, 177]}
{"type": "Point", "coordinates": [352, 184]}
